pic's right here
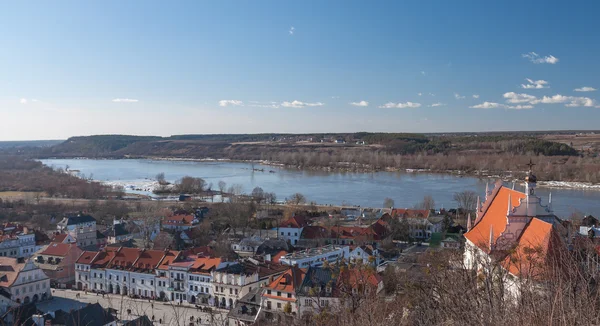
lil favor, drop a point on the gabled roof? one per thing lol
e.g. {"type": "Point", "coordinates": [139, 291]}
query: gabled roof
{"type": "Point", "coordinates": [205, 265]}
{"type": "Point", "coordinates": [147, 260]}
{"type": "Point", "coordinates": [289, 281]}
{"type": "Point", "coordinates": [355, 277]}
{"type": "Point", "coordinates": [294, 222]}
{"type": "Point", "coordinates": [493, 215]}
{"type": "Point", "coordinates": [170, 256]}
{"type": "Point", "coordinates": [58, 249]}
{"type": "Point", "coordinates": [59, 237]}
{"type": "Point", "coordinates": [530, 256]}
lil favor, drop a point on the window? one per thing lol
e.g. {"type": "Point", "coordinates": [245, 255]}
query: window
{"type": "Point", "coordinates": [295, 233]}
{"type": "Point", "coordinates": [268, 305]}
{"type": "Point", "coordinates": [282, 233]}
{"type": "Point", "coordinates": [151, 282]}
{"type": "Point", "coordinates": [117, 277]}
{"type": "Point", "coordinates": [289, 295]}
{"type": "Point", "coordinates": [142, 281]}
{"type": "Point", "coordinates": [230, 291]}
{"type": "Point", "coordinates": [236, 291]}
{"type": "Point", "coordinates": [289, 233]}
{"type": "Point", "coordinates": [124, 278]}
{"type": "Point", "coordinates": [307, 302]}
{"type": "Point", "coordinates": [132, 280]}
{"type": "Point", "coordinates": [191, 288]}
{"type": "Point", "coordinates": [279, 305]}
{"type": "Point", "coordinates": [95, 275]}
{"type": "Point", "coordinates": [268, 291]}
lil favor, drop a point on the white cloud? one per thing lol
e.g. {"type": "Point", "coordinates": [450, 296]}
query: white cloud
{"type": "Point", "coordinates": [299, 104]}
{"type": "Point", "coordinates": [335, 97]}
{"type": "Point", "coordinates": [361, 103]}
{"type": "Point", "coordinates": [570, 101]}
{"type": "Point", "coordinates": [458, 96]}
{"type": "Point", "coordinates": [125, 100]}
{"type": "Point", "coordinates": [23, 101]}
{"type": "Point", "coordinates": [400, 105]}
{"type": "Point", "coordinates": [292, 30]}
{"type": "Point", "coordinates": [493, 105]}
{"type": "Point", "coordinates": [585, 89]}
{"type": "Point", "coordinates": [475, 95]}
{"type": "Point", "coordinates": [512, 97]}
{"type": "Point", "coordinates": [270, 105]}
{"type": "Point", "coordinates": [437, 104]}
{"type": "Point", "coordinates": [536, 58]}
{"type": "Point", "coordinates": [230, 102]}
{"type": "Point", "coordinates": [423, 73]}
{"type": "Point", "coordinates": [535, 84]}
{"type": "Point", "coordinates": [419, 94]}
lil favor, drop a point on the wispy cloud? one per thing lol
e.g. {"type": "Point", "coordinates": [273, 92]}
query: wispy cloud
{"type": "Point", "coordinates": [300, 104]}
{"type": "Point", "coordinates": [361, 103]}
{"type": "Point", "coordinates": [458, 96]}
{"type": "Point", "coordinates": [125, 100]}
{"type": "Point", "coordinates": [585, 89]}
{"type": "Point", "coordinates": [475, 95]}
{"type": "Point", "coordinates": [420, 94]}
{"type": "Point", "coordinates": [270, 105]}
{"type": "Point", "coordinates": [23, 101]}
{"type": "Point", "coordinates": [335, 97]}
{"type": "Point", "coordinates": [230, 102]}
{"type": "Point", "coordinates": [437, 104]}
{"type": "Point", "coordinates": [292, 30]}
{"type": "Point", "coordinates": [493, 105]}
{"type": "Point", "coordinates": [400, 105]}
{"type": "Point", "coordinates": [535, 84]}
{"type": "Point", "coordinates": [536, 58]}
{"type": "Point", "coordinates": [423, 73]}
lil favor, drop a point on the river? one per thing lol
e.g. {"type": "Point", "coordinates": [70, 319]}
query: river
{"type": "Point", "coordinates": [337, 188]}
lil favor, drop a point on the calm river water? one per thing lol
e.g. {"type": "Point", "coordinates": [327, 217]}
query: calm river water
{"type": "Point", "coordinates": [364, 189]}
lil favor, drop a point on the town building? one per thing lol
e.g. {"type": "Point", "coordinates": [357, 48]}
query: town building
{"type": "Point", "coordinates": [316, 256]}
{"type": "Point", "coordinates": [367, 254]}
{"type": "Point", "coordinates": [57, 260]}
{"type": "Point", "coordinates": [374, 234]}
{"type": "Point", "coordinates": [291, 229]}
{"type": "Point", "coordinates": [17, 241]}
{"type": "Point", "coordinates": [280, 296]}
{"type": "Point", "coordinates": [180, 222]}
{"type": "Point", "coordinates": [232, 282]}
{"type": "Point", "coordinates": [23, 280]}
{"type": "Point", "coordinates": [81, 227]}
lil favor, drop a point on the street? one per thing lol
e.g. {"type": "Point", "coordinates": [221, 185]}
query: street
{"type": "Point", "coordinates": [169, 313]}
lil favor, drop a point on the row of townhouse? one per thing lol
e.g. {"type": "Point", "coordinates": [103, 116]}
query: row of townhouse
{"type": "Point", "coordinates": [171, 275]}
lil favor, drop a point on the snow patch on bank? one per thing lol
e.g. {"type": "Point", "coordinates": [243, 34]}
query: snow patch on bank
{"type": "Point", "coordinates": [569, 184]}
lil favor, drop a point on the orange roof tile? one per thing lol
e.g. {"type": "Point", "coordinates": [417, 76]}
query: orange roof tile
{"type": "Point", "coordinates": [289, 280]}
{"type": "Point", "coordinates": [179, 220]}
{"type": "Point", "coordinates": [10, 268]}
{"type": "Point", "coordinates": [494, 215]}
{"type": "Point", "coordinates": [275, 258]}
{"type": "Point", "coordinates": [148, 259]}
{"type": "Point", "coordinates": [170, 256]}
{"type": "Point", "coordinates": [294, 222]}
{"type": "Point", "coordinates": [204, 265]}
{"type": "Point", "coordinates": [529, 257]}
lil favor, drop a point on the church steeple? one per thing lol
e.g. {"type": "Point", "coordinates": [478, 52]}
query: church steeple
{"type": "Point", "coordinates": [530, 180]}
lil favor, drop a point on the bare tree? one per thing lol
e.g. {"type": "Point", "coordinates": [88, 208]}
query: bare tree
{"type": "Point", "coordinates": [427, 203]}
{"type": "Point", "coordinates": [258, 194]}
{"type": "Point", "coordinates": [467, 200]}
{"type": "Point", "coordinates": [297, 199]}
{"type": "Point", "coordinates": [388, 203]}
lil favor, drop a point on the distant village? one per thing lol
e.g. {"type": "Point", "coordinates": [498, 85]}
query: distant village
{"type": "Point", "coordinates": [291, 267]}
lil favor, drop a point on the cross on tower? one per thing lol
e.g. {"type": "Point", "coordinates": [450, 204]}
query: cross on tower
{"type": "Point", "coordinates": [530, 164]}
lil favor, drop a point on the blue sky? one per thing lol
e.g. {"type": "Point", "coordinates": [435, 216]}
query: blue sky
{"type": "Point", "coordinates": [163, 68]}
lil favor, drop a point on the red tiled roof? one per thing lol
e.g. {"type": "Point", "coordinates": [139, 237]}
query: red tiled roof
{"type": "Point", "coordinates": [104, 257]}
{"type": "Point", "coordinates": [87, 257]}
{"type": "Point", "coordinates": [530, 256]}
{"type": "Point", "coordinates": [205, 251]}
{"type": "Point", "coordinates": [204, 265]}
{"type": "Point", "coordinates": [354, 277]}
{"type": "Point", "coordinates": [294, 222]}
{"type": "Point", "coordinates": [124, 258]}
{"type": "Point", "coordinates": [170, 256]}
{"type": "Point", "coordinates": [289, 281]}
{"type": "Point", "coordinates": [59, 237]}
{"type": "Point", "coordinates": [148, 259]}
{"type": "Point", "coordinates": [57, 249]}
{"type": "Point", "coordinates": [494, 215]}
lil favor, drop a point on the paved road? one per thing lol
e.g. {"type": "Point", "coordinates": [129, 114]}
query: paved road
{"type": "Point", "coordinates": [171, 315]}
